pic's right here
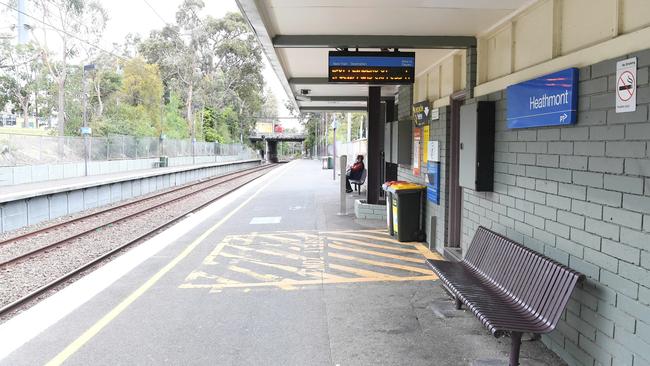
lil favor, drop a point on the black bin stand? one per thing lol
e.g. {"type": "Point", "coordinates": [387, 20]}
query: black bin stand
{"type": "Point", "coordinates": [404, 211]}
{"type": "Point", "coordinates": [389, 212]}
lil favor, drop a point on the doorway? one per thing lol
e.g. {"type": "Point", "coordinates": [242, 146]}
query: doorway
{"type": "Point", "coordinates": [455, 191]}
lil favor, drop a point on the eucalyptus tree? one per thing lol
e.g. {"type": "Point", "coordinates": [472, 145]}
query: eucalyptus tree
{"type": "Point", "coordinates": [19, 76]}
{"type": "Point", "coordinates": [211, 63]}
{"type": "Point", "coordinates": [77, 26]}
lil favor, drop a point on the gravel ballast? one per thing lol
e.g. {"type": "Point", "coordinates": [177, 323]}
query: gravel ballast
{"type": "Point", "coordinates": [20, 278]}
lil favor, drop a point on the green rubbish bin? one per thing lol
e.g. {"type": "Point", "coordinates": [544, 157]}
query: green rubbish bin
{"type": "Point", "coordinates": [164, 161]}
{"type": "Point", "coordinates": [328, 162]}
{"type": "Point", "coordinates": [405, 205]}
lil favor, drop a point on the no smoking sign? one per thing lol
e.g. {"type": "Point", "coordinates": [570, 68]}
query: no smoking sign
{"type": "Point", "coordinates": [626, 85]}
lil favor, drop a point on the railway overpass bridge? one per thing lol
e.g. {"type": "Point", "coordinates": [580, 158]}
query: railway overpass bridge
{"type": "Point", "coordinates": [272, 140]}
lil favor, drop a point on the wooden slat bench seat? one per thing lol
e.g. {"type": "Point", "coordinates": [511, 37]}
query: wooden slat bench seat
{"type": "Point", "coordinates": [509, 288]}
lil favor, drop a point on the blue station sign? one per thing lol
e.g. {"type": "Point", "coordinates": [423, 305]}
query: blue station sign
{"type": "Point", "coordinates": [549, 100]}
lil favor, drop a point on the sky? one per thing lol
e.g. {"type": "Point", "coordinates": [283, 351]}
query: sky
{"type": "Point", "coordinates": [135, 16]}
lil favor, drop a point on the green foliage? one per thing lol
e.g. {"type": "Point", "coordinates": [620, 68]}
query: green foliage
{"type": "Point", "coordinates": [174, 125]}
{"type": "Point", "coordinates": [211, 68]}
{"type": "Point", "coordinates": [125, 119]}
{"type": "Point", "coordinates": [220, 125]}
{"type": "Point", "coordinates": [141, 84]}
{"type": "Point", "coordinates": [7, 87]}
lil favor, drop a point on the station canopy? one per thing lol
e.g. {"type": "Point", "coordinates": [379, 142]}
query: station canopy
{"type": "Point", "coordinates": [297, 35]}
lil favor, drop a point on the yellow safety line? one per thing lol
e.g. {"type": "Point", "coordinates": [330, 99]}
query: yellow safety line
{"type": "Point", "coordinates": [275, 237]}
{"type": "Point", "coordinates": [378, 231]}
{"type": "Point", "coordinates": [286, 283]}
{"type": "Point", "coordinates": [274, 252]}
{"type": "Point", "coordinates": [426, 253]}
{"type": "Point", "coordinates": [111, 315]}
{"type": "Point", "coordinates": [255, 275]}
{"type": "Point", "coordinates": [371, 245]}
{"type": "Point", "coordinates": [196, 275]}
{"type": "Point", "coordinates": [360, 272]}
{"type": "Point", "coordinates": [375, 253]}
{"type": "Point", "coordinates": [382, 237]}
{"type": "Point", "coordinates": [381, 264]}
{"type": "Point", "coordinates": [299, 271]}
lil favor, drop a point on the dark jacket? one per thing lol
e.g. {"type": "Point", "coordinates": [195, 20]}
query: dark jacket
{"type": "Point", "coordinates": [355, 170]}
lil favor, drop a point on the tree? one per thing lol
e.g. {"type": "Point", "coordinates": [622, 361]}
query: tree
{"type": "Point", "coordinates": [138, 100]}
{"type": "Point", "coordinates": [141, 84]}
{"type": "Point", "coordinates": [78, 24]}
{"type": "Point", "coordinates": [19, 81]}
{"type": "Point", "coordinates": [174, 125]}
{"type": "Point", "coordinates": [211, 63]}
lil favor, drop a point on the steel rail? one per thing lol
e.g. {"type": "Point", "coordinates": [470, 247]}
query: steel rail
{"type": "Point", "coordinates": [32, 295]}
{"type": "Point", "coordinates": [113, 208]}
{"type": "Point", "coordinates": [57, 243]}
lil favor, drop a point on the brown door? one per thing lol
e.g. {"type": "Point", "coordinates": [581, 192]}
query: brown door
{"type": "Point", "coordinates": [455, 191]}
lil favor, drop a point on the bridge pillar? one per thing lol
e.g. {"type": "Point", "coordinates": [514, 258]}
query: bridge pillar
{"type": "Point", "coordinates": [271, 151]}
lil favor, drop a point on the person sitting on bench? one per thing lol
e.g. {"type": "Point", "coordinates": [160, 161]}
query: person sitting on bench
{"type": "Point", "coordinates": [354, 172]}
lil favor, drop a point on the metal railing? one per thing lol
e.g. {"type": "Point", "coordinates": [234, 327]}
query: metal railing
{"type": "Point", "coordinates": [18, 150]}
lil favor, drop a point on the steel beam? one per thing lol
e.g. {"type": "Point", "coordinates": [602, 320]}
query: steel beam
{"type": "Point", "coordinates": [308, 81]}
{"type": "Point", "coordinates": [372, 41]}
{"type": "Point", "coordinates": [333, 109]}
{"type": "Point", "coordinates": [251, 13]}
{"type": "Point", "coordinates": [342, 98]}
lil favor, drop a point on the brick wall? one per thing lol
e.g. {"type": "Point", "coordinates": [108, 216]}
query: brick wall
{"type": "Point", "coordinates": [581, 195]}
{"type": "Point", "coordinates": [438, 131]}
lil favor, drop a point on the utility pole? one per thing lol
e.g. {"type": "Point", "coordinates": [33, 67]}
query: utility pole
{"type": "Point", "coordinates": [349, 115]}
{"type": "Point", "coordinates": [21, 26]}
{"type": "Point", "coordinates": [85, 130]}
{"type": "Point", "coordinates": [335, 125]}
{"type": "Point", "coordinates": [327, 132]}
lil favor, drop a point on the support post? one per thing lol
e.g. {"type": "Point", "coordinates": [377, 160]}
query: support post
{"type": "Point", "coordinates": [374, 144]}
{"type": "Point", "coordinates": [343, 210]}
{"type": "Point", "coordinates": [85, 121]}
{"type": "Point", "coordinates": [515, 338]}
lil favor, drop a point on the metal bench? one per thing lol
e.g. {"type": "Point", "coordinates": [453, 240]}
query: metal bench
{"type": "Point", "coordinates": [359, 182]}
{"type": "Point", "coordinates": [509, 288]}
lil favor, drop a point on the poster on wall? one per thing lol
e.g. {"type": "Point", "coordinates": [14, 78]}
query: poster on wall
{"type": "Point", "coordinates": [425, 144]}
{"type": "Point", "coordinates": [433, 182]}
{"type": "Point", "coordinates": [626, 85]}
{"type": "Point", "coordinates": [433, 151]}
{"type": "Point", "coordinates": [417, 139]}
{"type": "Point", "coordinates": [421, 113]}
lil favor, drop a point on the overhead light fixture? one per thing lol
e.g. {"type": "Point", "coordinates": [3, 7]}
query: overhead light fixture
{"type": "Point", "coordinates": [304, 95]}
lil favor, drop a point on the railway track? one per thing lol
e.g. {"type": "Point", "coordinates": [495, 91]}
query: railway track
{"type": "Point", "coordinates": [174, 195]}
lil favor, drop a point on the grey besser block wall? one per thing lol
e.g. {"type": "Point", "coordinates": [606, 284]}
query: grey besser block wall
{"type": "Point", "coordinates": [581, 194]}
{"type": "Point", "coordinates": [17, 214]}
{"type": "Point", "coordinates": [438, 130]}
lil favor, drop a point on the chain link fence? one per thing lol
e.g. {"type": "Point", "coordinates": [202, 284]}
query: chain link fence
{"type": "Point", "coordinates": [17, 150]}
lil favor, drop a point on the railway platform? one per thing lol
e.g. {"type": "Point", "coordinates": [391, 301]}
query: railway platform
{"type": "Point", "coordinates": [270, 275]}
{"type": "Point", "coordinates": [22, 205]}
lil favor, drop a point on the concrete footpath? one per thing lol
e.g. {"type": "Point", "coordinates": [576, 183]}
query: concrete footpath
{"type": "Point", "coordinates": [271, 275]}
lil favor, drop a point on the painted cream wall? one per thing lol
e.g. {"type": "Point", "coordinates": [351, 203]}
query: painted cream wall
{"type": "Point", "coordinates": [498, 53]}
{"type": "Point", "coordinates": [554, 34]}
{"type": "Point", "coordinates": [633, 14]}
{"type": "Point", "coordinates": [533, 28]}
{"type": "Point", "coordinates": [586, 22]}
{"type": "Point", "coordinates": [441, 79]}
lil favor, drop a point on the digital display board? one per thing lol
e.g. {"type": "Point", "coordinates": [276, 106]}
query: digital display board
{"type": "Point", "coordinates": [371, 67]}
